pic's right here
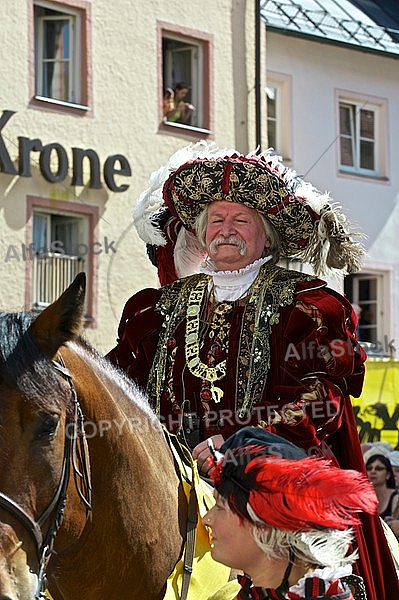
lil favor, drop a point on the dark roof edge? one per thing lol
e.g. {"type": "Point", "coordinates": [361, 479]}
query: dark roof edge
{"type": "Point", "coordinates": [330, 41]}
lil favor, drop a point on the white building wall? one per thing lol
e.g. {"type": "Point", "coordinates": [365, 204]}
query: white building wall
{"type": "Point", "coordinates": [317, 71]}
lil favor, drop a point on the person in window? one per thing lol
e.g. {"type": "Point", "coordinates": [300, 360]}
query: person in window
{"type": "Point", "coordinates": [283, 519]}
{"type": "Point", "coordinates": [233, 339]}
{"type": "Point", "coordinates": [168, 103]}
{"type": "Point", "coordinates": [182, 110]}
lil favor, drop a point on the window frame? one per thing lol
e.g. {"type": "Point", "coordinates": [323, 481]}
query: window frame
{"type": "Point", "coordinates": [283, 84]}
{"type": "Point", "coordinates": [72, 61]}
{"type": "Point", "coordinates": [89, 215]}
{"type": "Point", "coordinates": [203, 85]}
{"type": "Point", "coordinates": [378, 107]}
{"type": "Point", "coordinates": [383, 310]}
{"type": "Point", "coordinates": [80, 12]}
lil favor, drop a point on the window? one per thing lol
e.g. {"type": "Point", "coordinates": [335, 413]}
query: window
{"type": "Point", "coordinates": [60, 243]}
{"type": "Point", "coordinates": [185, 75]}
{"type": "Point", "coordinates": [369, 291]}
{"type": "Point", "coordinates": [58, 254]}
{"type": "Point", "coordinates": [60, 51]}
{"type": "Point", "coordinates": [272, 94]}
{"type": "Point", "coordinates": [361, 137]}
{"type": "Point", "coordinates": [278, 114]}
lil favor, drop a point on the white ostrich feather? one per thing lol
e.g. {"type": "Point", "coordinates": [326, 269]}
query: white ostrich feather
{"type": "Point", "coordinates": [150, 202]}
{"type": "Point", "coordinates": [326, 547]}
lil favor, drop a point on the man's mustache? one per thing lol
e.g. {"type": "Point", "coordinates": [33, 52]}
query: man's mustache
{"type": "Point", "coordinates": [232, 240]}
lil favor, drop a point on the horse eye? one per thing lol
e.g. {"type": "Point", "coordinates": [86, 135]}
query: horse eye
{"type": "Point", "coordinates": [47, 427]}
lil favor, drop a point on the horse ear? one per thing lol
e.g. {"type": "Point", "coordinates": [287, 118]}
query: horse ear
{"type": "Point", "coordinates": [62, 320]}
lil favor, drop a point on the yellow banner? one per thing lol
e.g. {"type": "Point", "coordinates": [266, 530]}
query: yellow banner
{"type": "Point", "coordinates": [377, 409]}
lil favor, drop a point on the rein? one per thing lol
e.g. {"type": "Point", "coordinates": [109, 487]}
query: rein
{"type": "Point", "coordinates": [75, 454]}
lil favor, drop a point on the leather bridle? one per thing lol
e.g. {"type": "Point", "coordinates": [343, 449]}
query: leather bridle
{"type": "Point", "coordinates": [75, 455]}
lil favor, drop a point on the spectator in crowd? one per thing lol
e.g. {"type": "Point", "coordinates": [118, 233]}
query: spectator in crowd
{"type": "Point", "coordinates": [371, 448]}
{"type": "Point", "coordinates": [380, 474]}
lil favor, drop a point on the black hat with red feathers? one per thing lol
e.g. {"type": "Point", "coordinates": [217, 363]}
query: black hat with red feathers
{"type": "Point", "coordinates": [286, 489]}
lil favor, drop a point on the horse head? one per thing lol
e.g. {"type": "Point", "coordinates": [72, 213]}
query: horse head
{"type": "Point", "coordinates": [88, 489]}
{"type": "Point", "coordinates": [34, 412]}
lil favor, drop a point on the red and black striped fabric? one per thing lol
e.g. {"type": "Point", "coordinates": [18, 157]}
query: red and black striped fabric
{"type": "Point", "coordinates": [315, 589]}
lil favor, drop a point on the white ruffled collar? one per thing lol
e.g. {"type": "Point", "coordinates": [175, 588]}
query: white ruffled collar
{"type": "Point", "coordinates": [229, 286]}
{"type": "Point", "coordinates": [328, 574]}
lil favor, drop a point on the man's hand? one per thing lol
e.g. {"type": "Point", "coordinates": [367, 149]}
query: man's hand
{"type": "Point", "coordinates": [202, 452]}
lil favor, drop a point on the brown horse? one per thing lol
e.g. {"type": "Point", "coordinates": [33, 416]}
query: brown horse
{"type": "Point", "coordinates": [88, 487]}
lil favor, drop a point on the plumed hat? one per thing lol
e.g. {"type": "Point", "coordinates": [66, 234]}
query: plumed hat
{"type": "Point", "coordinates": [261, 474]}
{"type": "Point", "coordinates": [310, 226]}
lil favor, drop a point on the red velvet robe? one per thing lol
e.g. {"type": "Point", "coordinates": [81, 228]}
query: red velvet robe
{"type": "Point", "coordinates": [315, 365]}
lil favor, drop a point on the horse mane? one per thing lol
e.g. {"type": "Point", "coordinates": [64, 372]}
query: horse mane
{"type": "Point", "coordinates": [22, 363]}
{"type": "Point", "coordinates": [25, 367]}
{"type": "Point", "coordinates": [125, 391]}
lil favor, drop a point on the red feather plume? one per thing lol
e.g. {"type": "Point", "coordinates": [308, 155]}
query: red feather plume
{"type": "Point", "coordinates": [307, 494]}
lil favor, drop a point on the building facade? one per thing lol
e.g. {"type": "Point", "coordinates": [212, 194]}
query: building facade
{"type": "Point", "coordinates": [83, 123]}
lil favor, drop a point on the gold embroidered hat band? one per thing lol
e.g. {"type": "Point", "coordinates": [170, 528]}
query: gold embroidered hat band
{"type": "Point", "coordinates": [309, 225]}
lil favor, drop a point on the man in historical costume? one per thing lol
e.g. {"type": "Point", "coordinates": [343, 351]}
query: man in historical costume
{"type": "Point", "coordinates": [241, 340]}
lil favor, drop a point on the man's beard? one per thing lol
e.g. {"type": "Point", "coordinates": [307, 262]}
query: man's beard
{"type": "Point", "coordinates": [232, 240]}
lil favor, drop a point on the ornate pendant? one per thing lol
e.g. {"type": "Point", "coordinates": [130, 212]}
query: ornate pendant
{"type": "Point", "coordinates": [217, 394]}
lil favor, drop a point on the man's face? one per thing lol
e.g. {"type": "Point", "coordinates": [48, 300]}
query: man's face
{"type": "Point", "coordinates": [235, 235]}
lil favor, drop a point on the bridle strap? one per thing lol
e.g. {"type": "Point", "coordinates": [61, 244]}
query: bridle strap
{"type": "Point", "coordinates": [63, 484]}
{"type": "Point", "coordinates": [18, 512]}
{"type": "Point", "coordinates": [78, 447]}
{"type": "Point", "coordinates": [58, 502]}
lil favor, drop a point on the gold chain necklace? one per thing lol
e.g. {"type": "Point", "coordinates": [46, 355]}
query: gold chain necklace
{"type": "Point", "coordinates": [192, 350]}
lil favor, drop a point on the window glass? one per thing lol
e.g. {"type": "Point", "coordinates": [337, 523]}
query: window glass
{"type": "Point", "coordinates": [357, 137]}
{"type": "Point", "coordinates": [57, 54]}
{"type": "Point", "coordinates": [363, 292]}
{"type": "Point", "coordinates": [181, 82]}
{"type": "Point", "coordinates": [367, 139]}
{"type": "Point", "coordinates": [57, 254]}
{"type": "Point", "coordinates": [271, 95]}
{"type": "Point", "coordinates": [278, 102]}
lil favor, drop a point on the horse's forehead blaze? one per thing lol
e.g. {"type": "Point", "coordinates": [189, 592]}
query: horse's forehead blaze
{"type": "Point", "coordinates": [9, 541]}
{"type": "Point", "coordinates": [14, 570]}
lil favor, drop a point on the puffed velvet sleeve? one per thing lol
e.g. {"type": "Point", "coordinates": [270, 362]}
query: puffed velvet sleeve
{"type": "Point", "coordinates": [137, 336]}
{"type": "Point", "coordinates": [323, 365]}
